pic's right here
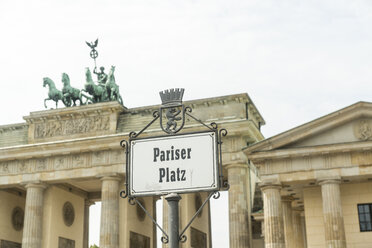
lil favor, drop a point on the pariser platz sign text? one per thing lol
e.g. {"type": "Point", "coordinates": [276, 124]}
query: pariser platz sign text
{"type": "Point", "coordinates": [180, 163]}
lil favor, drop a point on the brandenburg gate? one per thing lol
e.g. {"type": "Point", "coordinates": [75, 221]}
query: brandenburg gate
{"type": "Point", "coordinates": [57, 163]}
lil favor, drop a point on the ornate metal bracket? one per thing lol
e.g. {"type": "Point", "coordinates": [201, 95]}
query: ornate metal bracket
{"type": "Point", "coordinates": [133, 201]}
{"type": "Point", "coordinates": [183, 237]}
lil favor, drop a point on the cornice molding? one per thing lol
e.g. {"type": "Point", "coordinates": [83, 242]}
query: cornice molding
{"type": "Point", "coordinates": [311, 151]}
{"type": "Point", "coordinates": [63, 147]}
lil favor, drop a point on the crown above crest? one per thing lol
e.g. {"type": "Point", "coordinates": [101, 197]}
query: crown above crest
{"type": "Point", "coordinates": [171, 96]}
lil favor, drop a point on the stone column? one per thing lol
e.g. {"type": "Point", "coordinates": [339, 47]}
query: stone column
{"type": "Point", "coordinates": [289, 235]}
{"type": "Point", "coordinates": [332, 214]}
{"type": "Point", "coordinates": [109, 232]}
{"type": "Point", "coordinates": [303, 224]}
{"type": "Point", "coordinates": [33, 223]}
{"type": "Point", "coordinates": [165, 219]}
{"type": "Point", "coordinates": [273, 214]}
{"type": "Point", "coordinates": [297, 228]}
{"type": "Point", "coordinates": [88, 203]}
{"type": "Point", "coordinates": [238, 206]}
{"type": "Point", "coordinates": [154, 228]}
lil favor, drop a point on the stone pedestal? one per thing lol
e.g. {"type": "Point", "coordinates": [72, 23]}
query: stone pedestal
{"type": "Point", "coordinates": [297, 228]}
{"type": "Point", "coordinates": [238, 206]}
{"type": "Point", "coordinates": [109, 232]}
{"type": "Point", "coordinates": [273, 214]}
{"type": "Point", "coordinates": [289, 235]}
{"type": "Point", "coordinates": [332, 214]}
{"type": "Point", "coordinates": [87, 205]}
{"type": "Point", "coordinates": [32, 230]}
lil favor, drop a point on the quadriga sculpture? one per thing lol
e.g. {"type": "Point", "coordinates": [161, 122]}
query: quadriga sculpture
{"type": "Point", "coordinates": [101, 92]}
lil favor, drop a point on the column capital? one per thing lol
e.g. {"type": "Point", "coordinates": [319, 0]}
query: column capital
{"type": "Point", "coordinates": [34, 184]}
{"type": "Point", "coordinates": [298, 209]}
{"type": "Point", "coordinates": [110, 177]}
{"type": "Point", "coordinates": [287, 198]}
{"type": "Point", "coordinates": [270, 186]}
{"type": "Point", "coordinates": [270, 183]}
{"type": "Point", "coordinates": [173, 197]}
{"type": "Point", "coordinates": [88, 202]}
{"type": "Point", "coordinates": [333, 180]}
{"type": "Point", "coordinates": [236, 165]}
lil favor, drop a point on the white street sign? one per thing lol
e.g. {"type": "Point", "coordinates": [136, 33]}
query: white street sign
{"type": "Point", "coordinates": [173, 164]}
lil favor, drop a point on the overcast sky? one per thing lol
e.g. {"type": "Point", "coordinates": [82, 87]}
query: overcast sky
{"type": "Point", "coordinates": [298, 60]}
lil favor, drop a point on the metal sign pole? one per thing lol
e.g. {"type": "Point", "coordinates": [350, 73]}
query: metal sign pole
{"type": "Point", "coordinates": [173, 219]}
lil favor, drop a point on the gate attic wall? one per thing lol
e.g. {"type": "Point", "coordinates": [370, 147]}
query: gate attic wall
{"type": "Point", "coordinates": [77, 150]}
{"type": "Point", "coordinates": [81, 142]}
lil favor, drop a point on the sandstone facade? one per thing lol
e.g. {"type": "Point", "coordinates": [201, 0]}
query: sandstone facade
{"type": "Point", "coordinates": [72, 155]}
{"type": "Point", "coordinates": [324, 168]}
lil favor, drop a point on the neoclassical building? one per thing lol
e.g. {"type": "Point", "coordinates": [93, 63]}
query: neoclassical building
{"type": "Point", "coordinates": [59, 162]}
{"type": "Point", "coordinates": [316, 181]}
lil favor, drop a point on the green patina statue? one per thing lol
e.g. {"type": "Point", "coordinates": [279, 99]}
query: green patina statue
{"type": "Point", "coordinates": [98, 92]}
{"type": "Point", "coordinates": [53, 93]}
{"type": "Point", "coordinates": [101, 76]}
{"type": "Point", "coordinates": [71, 94]}
{"type": "Point", "coordinates": [112, 88]}
{"type": "Point", "coordinates": [101, 92]}
{"type": "Point", "coordinates": [106, 89]}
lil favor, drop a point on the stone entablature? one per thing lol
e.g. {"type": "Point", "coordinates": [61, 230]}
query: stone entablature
{"type": "Point", "coordinates": [12, 135]}
{"type": "Point", "coordinates": [73, 122]}
{"type": "Point", "coordinates": [86, 139]}
{"type": "Point", "coordinates": [224, 109]}
{"type": "Point", "coordinates": [336, 144]}
{"type": "Point", "coordinates": [62, 160]}
{"type": "Point", "coordinates": [339, 158]}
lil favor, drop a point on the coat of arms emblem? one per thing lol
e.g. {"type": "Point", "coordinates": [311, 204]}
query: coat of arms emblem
{"type": "Point", "coordinates": [172, 111]}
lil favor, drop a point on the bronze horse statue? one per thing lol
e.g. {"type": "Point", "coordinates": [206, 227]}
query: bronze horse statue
{"type": "Point", "coordinates": [112, 88]}
{"type": "Point", "coordinates": [71, 94]}
{"type": "Point", "coordinates": [53, 93]}
{"type": "Point", "coordinates": [98, 92]}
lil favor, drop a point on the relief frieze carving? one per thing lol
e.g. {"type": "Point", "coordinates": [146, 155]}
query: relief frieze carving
{"type": "Point", "coordinates": [41, 164]}
{"type": "Point", "coordinates": [57, 163]}
{"type": "Point", "coordinates": [117, 156]}
{"type": "Point", "coordinates": [306, 163]}
{"type": "Point", "coordinates": [72, 126]}
{"type": "Point", "coordinates": [78, 160]}
{"type": "Point", "coordinates": [363, 129]}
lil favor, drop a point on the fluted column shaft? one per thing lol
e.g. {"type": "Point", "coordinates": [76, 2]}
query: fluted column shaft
{"type": "Point", "coordinates": [109, 232]}
{"type": "Point", "coordinates": [238, 206]}
{"type": "Point", "coordinates": [86, 223]}
{"type": "Point", "coordinates": [288, 223]}
{"type": "Point", "coordinates": [273, 214]}
{"type": "Point", "coordinates": [332, 214]}
{"type": "Point", "coordinates": [32, 230]}
{"type": "Point", "coordinates": [297, 229]}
